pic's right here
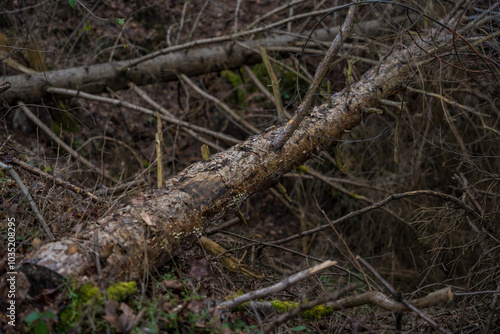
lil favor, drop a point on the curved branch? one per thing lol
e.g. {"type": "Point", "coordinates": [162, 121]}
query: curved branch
{"type": "Point", "coordinates": [435, 298]}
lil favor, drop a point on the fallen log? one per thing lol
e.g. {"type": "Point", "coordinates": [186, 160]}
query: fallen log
{"type": "Point", "coordinates": [152, 228]}
{"type": "Point", "coordinates": [189, 59]}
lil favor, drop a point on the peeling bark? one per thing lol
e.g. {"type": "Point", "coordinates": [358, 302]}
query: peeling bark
{"type": "Point", "coordinates": [150, 229]}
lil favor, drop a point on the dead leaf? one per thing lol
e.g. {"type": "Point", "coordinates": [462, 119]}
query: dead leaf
{"type": "Point", "coordinates": [168, 306]}
{"type": "Point", "coordinates": [200, 268]}
{"type": "Point", "coordinates": [196, 306]}
{"type": "Point", "coordinates": [36, 243]}
{"type": "Point", "coordinates": [72, 249]}
{"type": "Point", "coordinates": [146, 218]}
{"type": "Point", "coordinates": [126, 321]}
{"type": "Point", "coordinates": [77, 228]}
{"type": "Point", "coordinates": [172, 285]}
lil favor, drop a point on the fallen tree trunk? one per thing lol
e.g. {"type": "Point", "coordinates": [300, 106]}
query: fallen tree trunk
{"type": "Point", "coordinates": [150, 229]}
{"type": "Point", "coordinates": [191, 61]}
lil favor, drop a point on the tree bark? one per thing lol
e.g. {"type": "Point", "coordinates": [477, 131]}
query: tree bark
{"type": "Point", "coordinates": [193, 61]}
{"type": "Point", "coordinates": [154, 227]}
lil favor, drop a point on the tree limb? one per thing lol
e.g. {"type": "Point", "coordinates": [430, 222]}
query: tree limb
{"type": "Point", "coordinates": [164, 66]}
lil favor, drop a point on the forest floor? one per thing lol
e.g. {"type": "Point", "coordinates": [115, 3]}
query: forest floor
{"type": "Point", "coordinates": [418, 244]}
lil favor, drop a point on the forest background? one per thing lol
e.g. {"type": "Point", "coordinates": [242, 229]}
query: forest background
{"type": "Point", "coordinates": [393, 174]}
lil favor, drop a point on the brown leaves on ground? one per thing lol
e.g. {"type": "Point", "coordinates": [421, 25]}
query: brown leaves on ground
{"type": "Point", "coordinates": [124, 322]}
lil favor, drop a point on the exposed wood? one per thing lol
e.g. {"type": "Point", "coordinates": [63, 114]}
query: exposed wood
{"type": "Point", "coordinates": [435, 298]}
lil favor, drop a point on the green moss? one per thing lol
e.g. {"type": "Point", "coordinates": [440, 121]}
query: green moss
{"type": "Point", "coordinates": [283, 307]}
{"type": "Point", "coordinates": [88, 293]}
{"type": "Point", "coordinates": [315, 313]}
{"type": "Point", "coordinates": [232, 77]}
{"type": "Point", "coordinates": [67, 318]}
{"type": "Point", "coordinates": [301, 169]}
{"type": "Point", "coordinates": [90, 296]}
{"type": "Point", "coordinates": [121, 290]}
{"type": "Point", "coordinates": [83, 297]}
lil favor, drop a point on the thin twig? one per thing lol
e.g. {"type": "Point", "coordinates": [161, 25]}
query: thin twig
{"type": "Point", "coordinates": [401, 299]}
{"type": "Point", "coordinates": [167, 113]}
{"type": "Point", "coordinates": [236, 13]}
{"type": "Point", "coordinates": [274, 83]}
{"type": "Point", "coordinates": [276, 287]}
{"type": "Point", "coordinates": [280, 63]}
{"type": "Point", "coordinates": [121, 187]}
{"type": "Point", "coordinates": [197, 20]}
{"type": "Point", "coordinates": [5, 86]}
{"type": "Point", "coordinates": [321, 71]}
{"type": "Point", "coordinates": [274, 11]}
{"type": "Point", "coordinates": [258, 83]}
{"type": "Point", "coordinates": [342, 239]}
{"type": "Point", "coordinates": [61, 143]}
{"type": "Point", "coordinates": [107, 138]}
{"type": "Point", "coordinates": [222, 226]}
{"type": "Point", "coordinates": [76, 93]}
{"type": "Point", "coordinates": [284, 249]}
{"type": "Point", "coordinates": [465, 189]}
{"type": "Point", "coordinates": [225, 38]}
{"type": "Point", "coordinates": [30, 199]}
{"type": "Point", "coordinates": [181, 25]}
{"type": "Point", "coordinates": [229, 112]}
{"type": "Point", "coordinates": [360, 198]}
{"type": "Point", "coordinates": [55, 179]}
{"type": "Point", "coordinates": [159, 145]}
{"type": "Point", "coordinates": [377, 205]}
{"type": "Point", "coordinates": [99, 271]}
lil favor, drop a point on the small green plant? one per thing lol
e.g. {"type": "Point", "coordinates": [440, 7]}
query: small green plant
{"type": "Point", "coordinates": [40, 322]}
{"type": "Point", "coordinates": [300, 329]}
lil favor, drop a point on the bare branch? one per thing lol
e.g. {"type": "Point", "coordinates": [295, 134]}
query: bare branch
{"type": "Point", "coordinates": [276, 287]}
{"type": "Point", "coordinates": [402, 299]}
{"type": "Point", "coordinates": [30, 199]}
{"type": "Point", "coordinates": [321, 71]}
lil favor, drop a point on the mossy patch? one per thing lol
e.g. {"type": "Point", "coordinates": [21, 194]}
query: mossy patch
{"type": "Point", "coordinates": [314, 313]}
{"type": "Point", "coordinates": [89, 296]}
{"type": "Point", "coordinates": [121, 290]}
{"type": "Point", "coordinates": [88, 293]}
